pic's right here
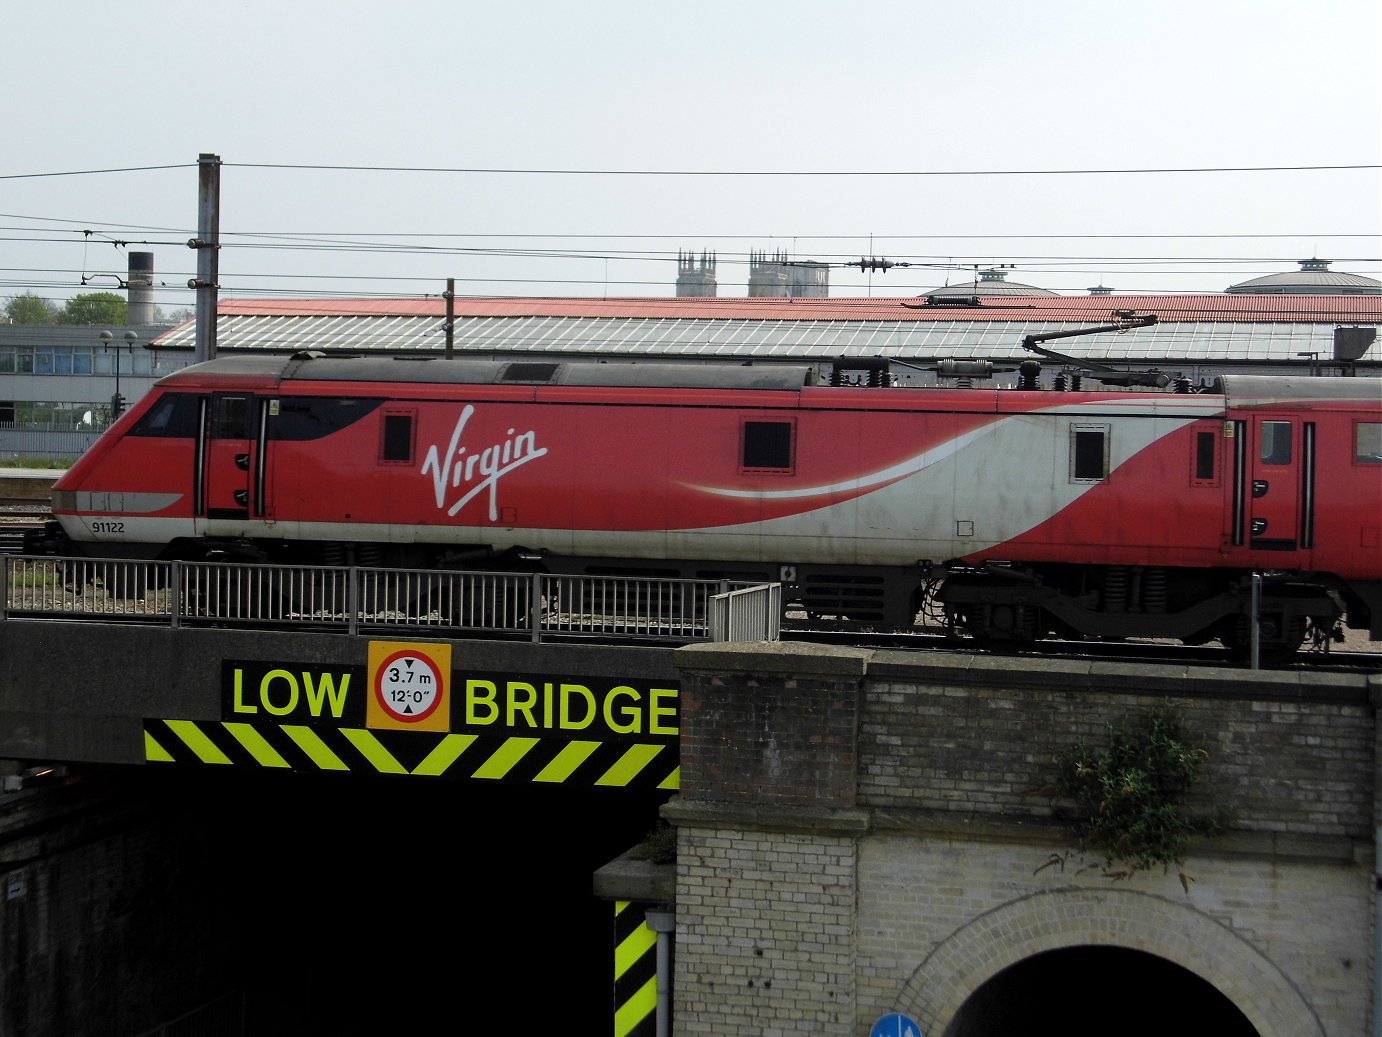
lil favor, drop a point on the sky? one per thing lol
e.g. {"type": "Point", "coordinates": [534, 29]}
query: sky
{"type": "Point", "coordinates": [546, 148]}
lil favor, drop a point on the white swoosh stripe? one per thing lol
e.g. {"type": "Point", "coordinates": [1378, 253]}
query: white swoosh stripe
{"type": "Point", "coordinates": [920, 462]}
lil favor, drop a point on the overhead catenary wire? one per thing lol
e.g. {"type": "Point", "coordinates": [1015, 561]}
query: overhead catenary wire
{"type": "Point", "coordinates": [441, 244]}
{"type": "Point", "coordinates": [557, 171]}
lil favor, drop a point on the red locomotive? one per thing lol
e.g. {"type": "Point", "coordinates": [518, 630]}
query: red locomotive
{"type": "Point", "coordinates": [1029, 512]}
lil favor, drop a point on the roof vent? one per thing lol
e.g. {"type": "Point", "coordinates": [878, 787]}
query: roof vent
{"type": "Point", "coordinates": [529, 372]}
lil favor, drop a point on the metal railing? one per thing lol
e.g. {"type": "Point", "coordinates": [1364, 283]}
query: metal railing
{"type": "Point", "coordinates": [748, 614]}
{"type": "Point", "coordinates": [48, 444]}
{"type": "Point", "coordinates": [355, 599]}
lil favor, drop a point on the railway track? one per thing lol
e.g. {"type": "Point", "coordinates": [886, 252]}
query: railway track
{"type": "Point", "coordinates": [15, 519]}
{"type": "Point", "coordinates": [21, 510]}
{"type": "Point", "coordinates": [1357, 655]}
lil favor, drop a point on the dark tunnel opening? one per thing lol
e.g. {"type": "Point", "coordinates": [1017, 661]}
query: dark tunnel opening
{"type": "Point", "coordinates": [1098, 989]}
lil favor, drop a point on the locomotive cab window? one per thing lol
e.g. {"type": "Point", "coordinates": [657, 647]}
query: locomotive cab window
{"type": "Point", "coordinates": [768, 446]}
{"type": "Point", "coordinates": [396, 444]}
{"type": "Point", "coordinates": [1276, 442]}
{"type": "Point", "coordinates": [175, 416]}
{"type": "Point", "coordinates": [232, 417]}
{"type": "Point", "coordinates": [1367, 442]}
{"type": "Point", "coordinates": [1088, 453]}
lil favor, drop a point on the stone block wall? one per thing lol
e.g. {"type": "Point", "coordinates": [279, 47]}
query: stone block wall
{"type": "Point", "coordinates": [949, 861]}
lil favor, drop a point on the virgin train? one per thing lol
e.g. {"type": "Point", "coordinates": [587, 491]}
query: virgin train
{"type": "Point", "coordinates": [1019, 513]}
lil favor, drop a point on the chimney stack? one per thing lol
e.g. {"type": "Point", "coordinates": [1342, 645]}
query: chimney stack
{"type": "Point", "coordinates": [141, 285]}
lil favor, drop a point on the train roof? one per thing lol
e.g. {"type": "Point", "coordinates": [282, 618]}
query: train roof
{"type": "Point", "coordinates": [1263, 389]}
{"type": "Point", "coordinates": [311, 366]}
{"type": "Point", "coordinates": [318, 367]}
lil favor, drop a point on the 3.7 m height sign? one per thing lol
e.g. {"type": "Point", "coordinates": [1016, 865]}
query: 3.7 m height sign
{"type": "Point", "coordinates": [408, 711]}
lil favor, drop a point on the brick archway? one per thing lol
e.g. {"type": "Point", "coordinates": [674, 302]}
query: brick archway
{"type": "Point", "coordinates": [1059, 919]}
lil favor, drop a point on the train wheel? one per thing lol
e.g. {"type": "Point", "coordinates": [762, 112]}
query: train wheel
{"type": "Point", "coordinates": [1000, 626]}
{"type": "Point", "coordinates": [1278, 640]}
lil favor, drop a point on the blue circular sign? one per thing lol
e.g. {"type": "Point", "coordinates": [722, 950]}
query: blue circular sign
{"type": "Point", "coordinates": [895, 1024]}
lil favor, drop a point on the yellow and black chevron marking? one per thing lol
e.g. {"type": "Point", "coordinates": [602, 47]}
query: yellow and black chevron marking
{"type": "Point", "coordinates": [635, 972]}
{"type": "Point", "coordinates": [634, 765]}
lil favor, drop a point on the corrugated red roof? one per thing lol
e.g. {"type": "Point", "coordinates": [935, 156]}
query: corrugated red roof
{"type": "Point", "coordinates": [1332, 309]}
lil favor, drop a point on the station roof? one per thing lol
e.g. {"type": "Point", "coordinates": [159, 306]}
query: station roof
{"type": "Point", "coordinates": [1191, 327]}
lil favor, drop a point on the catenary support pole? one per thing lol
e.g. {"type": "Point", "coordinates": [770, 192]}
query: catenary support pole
{"type": "Point", "coordinates": [207, 244]}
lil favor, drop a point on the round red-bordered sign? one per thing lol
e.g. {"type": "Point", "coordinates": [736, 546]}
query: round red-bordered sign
{"type": "Point", "coordinates": [408, 686]}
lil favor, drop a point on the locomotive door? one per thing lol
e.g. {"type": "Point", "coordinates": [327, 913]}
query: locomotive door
{"type": "Point", "coordinates": [1274, 484]}
{"type": "Point", "coordinates": [229, 467]}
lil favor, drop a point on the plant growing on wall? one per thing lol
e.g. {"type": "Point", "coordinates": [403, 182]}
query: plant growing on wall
{"type": "Point", "coordinates": [660, 844]}
{"type": "Point", "coordinates": [1130, 796]}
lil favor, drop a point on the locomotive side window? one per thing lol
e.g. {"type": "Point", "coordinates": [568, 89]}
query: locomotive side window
{"type": "Point", "coordinates": [1367, 442]}
{"type": "Point", "coordinates": [1276, 442]}
{"type": "Point", "coordinates": [768, 445]}
{"type": "Point", "coordinates": [397, 444]}
{"type": "Point", "coordinates": [1205, 452]}
{"type": "Point", "coordinates": [304, 418]}
{"type": "Point", "coordinates": [1088, 453]}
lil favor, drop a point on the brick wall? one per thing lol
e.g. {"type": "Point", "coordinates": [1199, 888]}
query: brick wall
{"type": "Point", "coordinates": [948, 860]}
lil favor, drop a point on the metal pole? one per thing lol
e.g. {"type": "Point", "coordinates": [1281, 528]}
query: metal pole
{"type": "Point", "coordinates": [1256, 636]}
{"type": "Point", "coordinates": [535, 609]}
{"type": "Point", "coordinates": [207, 244]}
{"type": "Point", "coordinates": [353, 575]}
{"type": "Point", "coordinates": [663, 921]}
{"type": "Point", "coordinates": [176, 575]}
{"type": "Point", "coordinates": [450, 317]}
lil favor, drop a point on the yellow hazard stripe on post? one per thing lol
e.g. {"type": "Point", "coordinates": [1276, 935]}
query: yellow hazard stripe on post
{"type": "Point", "coordinates": [635, 972]}
{"type": "Point", "coordinates": [636, 1010]}
{"type": "Point", "coordinates": [632, 948]}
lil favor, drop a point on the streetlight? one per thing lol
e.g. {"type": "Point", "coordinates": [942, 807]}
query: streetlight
{"type": "Point", "coordinates": [117, 402]}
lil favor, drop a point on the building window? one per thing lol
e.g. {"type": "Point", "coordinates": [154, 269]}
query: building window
{"type": "Point", "coordinates": [48, 360]}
